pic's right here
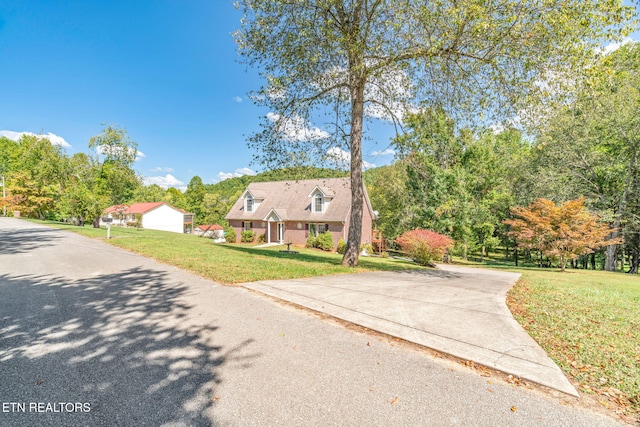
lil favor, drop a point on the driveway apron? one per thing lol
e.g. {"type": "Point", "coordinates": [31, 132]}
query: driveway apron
{"type": "Point", "coordinates": [455, 310]}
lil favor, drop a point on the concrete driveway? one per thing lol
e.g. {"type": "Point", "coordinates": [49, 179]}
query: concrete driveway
{"type": "Point", "coordinates": [138, 343]}
{"type": "Point", "coordinates": [456, 310]}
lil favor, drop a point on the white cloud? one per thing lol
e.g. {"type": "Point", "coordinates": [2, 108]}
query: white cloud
{"type": "Point", "coordinates": [165, 182]}
{"type": "Point", "coordinates": [162, 169]}
{"type": "Point", "coordinates": [237, 173]}
{"type": "Point", "coordinates": [342, 158]}
{"type": "Point", "coordinates": [237, 99]}
{"type": "Point", "coordinates": [615, 46]}
{"type": "Point", "coordinates": [387, 152]}
{"type": "Point", "coordinates": [53, 138]}
{"type": "Point", "coordinates": [296, 129]}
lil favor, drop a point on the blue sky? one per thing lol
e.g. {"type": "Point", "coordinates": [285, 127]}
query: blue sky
{"type": "Point", "coordinates": [166, 70]}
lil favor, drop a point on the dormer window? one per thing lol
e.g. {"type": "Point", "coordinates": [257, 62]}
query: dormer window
{"type": "Point", "coordinates": [318, 203]}
{"type": "Point", "coordinates": [249, 203]}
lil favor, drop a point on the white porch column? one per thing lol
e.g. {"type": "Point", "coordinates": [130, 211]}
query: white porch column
{"type": "Point", "coordinates": [269, 231]}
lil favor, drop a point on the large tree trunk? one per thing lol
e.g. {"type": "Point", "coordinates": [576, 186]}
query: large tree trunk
{"type": "Point", "coordinates": [357, 185]}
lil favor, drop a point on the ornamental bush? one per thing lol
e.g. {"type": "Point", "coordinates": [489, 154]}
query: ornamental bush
{"type": "Point", "coordinates": [425, 246]}
{"type": "Point", "coordinates": [247, 236]}
{"type": "Point", "coordinates": [342, 246]}
{"type": "Point", "coordinates": [230, 235]}
{"type": "Point", "coordinates": [312, 242]}
{"type": "Point", "coordinates": [325, 241]}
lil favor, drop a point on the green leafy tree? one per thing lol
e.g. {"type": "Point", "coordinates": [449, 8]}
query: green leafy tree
{"type": "Point", "coordinates": [194, 197]}
{"type": "Point", "coordinates": [216, 207]}
{"type": "Point", "coordinates": [175, 197]}
{"type": "Point", "coordinates": [387, 188]}
{"type": "Point", "coordinates": [115, 180]}
{"type": "Point", "coordinates": [592, 146]}
{"type": "Point", "coordinates": [80, 200]}
{"type": "Point", "coordinates": [149, 193]}
{"type": "Point", "coordinates": [371, 58]}
{"type": "Point", "coordinates": [35, 179]}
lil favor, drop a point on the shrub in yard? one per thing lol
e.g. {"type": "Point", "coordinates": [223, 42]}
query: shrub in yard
{"type": "Point", "coordinates": [325, 241]}
{"type": "Point", "coordinates": [342, 246]}
{"type": "Point", "coordinates": [230, 235]}
{"type": "Point", "coordinates": [262, 238]}
{"type": "Point", "coordinates": [312, 242]}
{"type": "Point", "coordinates": [247, 236]}
{"type": "Point", "coordinates": [424, 246]}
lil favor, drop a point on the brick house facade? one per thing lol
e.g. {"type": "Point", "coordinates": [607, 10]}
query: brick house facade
{"type": "Point", "coordinates": [290, 211]}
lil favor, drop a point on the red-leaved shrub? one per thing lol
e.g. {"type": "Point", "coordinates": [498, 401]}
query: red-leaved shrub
{"type": "Point", "coordinates": [425, 246]}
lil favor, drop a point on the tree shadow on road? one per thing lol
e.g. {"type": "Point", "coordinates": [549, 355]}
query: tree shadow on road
{"type": "Point", "coordinates": [22, 241]}
{"type": "Point", "coordinates": [125, 343]}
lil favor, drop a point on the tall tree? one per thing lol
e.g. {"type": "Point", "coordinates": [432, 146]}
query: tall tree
{"type": "Point", "coordinates": [592, 146]}
{"type": "Point", "coordinates": [114, 156]}
{"type": "Point", "coordinates": [35, 177]}
{"type": "Point", "coordinates": [460, 183]}
{"type": "Point", "coordinates": [80, 199]}
{"type": "Point", "coordinates": [374, 57]}
{"type": "Point", "coordinates": [194, 196]}
{"type": "Point", "coordinates": [174, 197]}
{"type": "Point", "coordinates": [149, 193]}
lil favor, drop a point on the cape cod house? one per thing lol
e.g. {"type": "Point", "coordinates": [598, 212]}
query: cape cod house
{"type": "Point", "coordinates": [151, 215]}
{"type": "Point", "coordinates": [290, 211]}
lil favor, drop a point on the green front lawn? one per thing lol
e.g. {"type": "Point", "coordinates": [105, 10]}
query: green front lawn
{"type": "Point", "coordinates": [589, 324]}
{"type": "Point", "coordinates": [231, 263]}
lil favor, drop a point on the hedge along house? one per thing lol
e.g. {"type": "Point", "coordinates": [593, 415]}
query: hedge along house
{"type": "Point", "coordinates": [291, 211]}
{"type": "Point", "coordinates": [151, 215]}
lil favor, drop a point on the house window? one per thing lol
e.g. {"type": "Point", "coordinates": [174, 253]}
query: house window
{"type": "Point", "coordinates": [246, 225]}
{"type": "Point", "coordinates": [317, 229]}
{"type": "Point", "coordinates": [318, 203]}
{"type": "Point", "coordinates": [249, 201]}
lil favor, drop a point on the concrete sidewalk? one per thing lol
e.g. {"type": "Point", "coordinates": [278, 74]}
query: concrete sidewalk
{"type": "Point", "coordinates": [455, 310]}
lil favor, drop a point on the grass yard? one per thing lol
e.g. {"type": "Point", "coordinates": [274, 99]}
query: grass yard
{"type": "Point", "coordinates": [587, 321]}
{"type": "Point", "coordinates": [589, 324]}
{"type": "Point", "coordinates": [235, 263]}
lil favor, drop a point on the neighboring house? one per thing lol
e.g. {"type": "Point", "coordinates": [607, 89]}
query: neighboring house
{"type": "Point", "coordinates": [212, 231]}
{"type": "Point", "coordinates": [290, 211]}
{"type": "Point", "coordinates": [152, 215]}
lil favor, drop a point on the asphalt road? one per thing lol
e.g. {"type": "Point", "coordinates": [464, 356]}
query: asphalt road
{"type": "Point", "coordinates": [94, 335]}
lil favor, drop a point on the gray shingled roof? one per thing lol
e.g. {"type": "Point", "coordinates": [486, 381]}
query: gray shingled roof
{"type": "Point", "coordinates": [291, 199]}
